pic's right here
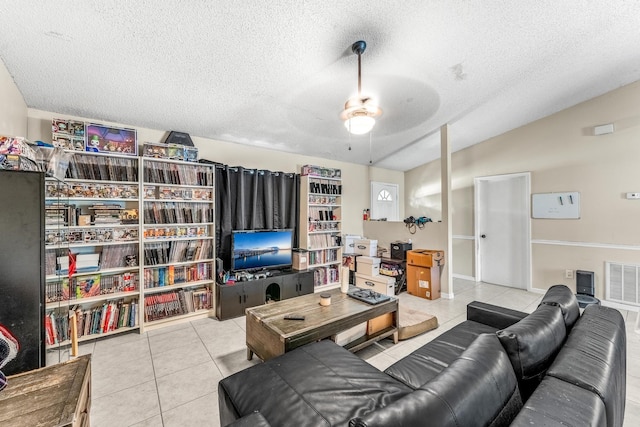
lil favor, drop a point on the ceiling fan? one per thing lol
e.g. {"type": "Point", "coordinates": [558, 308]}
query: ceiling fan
{"type": "Point", "coordinates": [359, 112]}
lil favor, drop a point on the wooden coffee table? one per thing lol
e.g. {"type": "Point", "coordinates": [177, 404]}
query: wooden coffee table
{"type": "Point", "coordinates": [269, 334]}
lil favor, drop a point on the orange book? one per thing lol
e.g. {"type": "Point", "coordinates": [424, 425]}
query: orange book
{"type": "Point", "coordinates": [171, 275]}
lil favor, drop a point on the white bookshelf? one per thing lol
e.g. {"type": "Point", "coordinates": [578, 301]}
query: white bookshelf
{"type": "Point", "coordinates": [320, 228]}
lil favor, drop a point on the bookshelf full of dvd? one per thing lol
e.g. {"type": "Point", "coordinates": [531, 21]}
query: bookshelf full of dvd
{"type": "Point", "coordinates": [91, 249]}
{"type": "Point", "coordinates": [320, 224]}
{"type": "Point", "coordinates": [129, 245]}
{"type": "Point", "coordinates": [177, 241]}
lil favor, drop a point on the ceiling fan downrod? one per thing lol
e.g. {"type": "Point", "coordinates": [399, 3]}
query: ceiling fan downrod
{"type": "Point", "coordinates": [358, 48]}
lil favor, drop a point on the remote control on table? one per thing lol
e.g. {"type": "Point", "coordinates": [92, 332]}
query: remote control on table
{"type": "Point", "coordinates": [294, 317]}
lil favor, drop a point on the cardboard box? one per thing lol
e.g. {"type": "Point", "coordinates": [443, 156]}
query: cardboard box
{"type": "Point", "coordinates": [349, 243]}
{"type": "Point", "coordinates": [84, 220]}
{"type": "Point", "coordinates": [382, 284]}
{"type": "Point", "coordinates": [300, 259]}
{"type": "Point", "coordinates": [345, 337]}
{"type": "Point", "coordinates": [423, 282]}
{"type": "Point", "coordinates": [425, 257]}
{"type": "Point", "coordinates": [368, 265]}
{"type": "Point", "coordinates": [379, 323]}
{"type": "Point", "coordinates": [366, 247]}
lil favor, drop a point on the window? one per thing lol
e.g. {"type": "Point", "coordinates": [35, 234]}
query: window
{"type": "Point", "coordinates": [385, 196]}
{"type": "Point", "coordinates": [384, 201]}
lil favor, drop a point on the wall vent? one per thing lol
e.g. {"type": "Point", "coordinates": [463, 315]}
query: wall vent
{"type": "Point", "coordinates": [623, 283]}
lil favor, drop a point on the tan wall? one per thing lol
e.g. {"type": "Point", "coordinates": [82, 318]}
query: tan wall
{"type": "Point", "coordinates": [355, 178]}
{"type": "Point", "coordinates": [432, 236]}
{"type": "Point", "coordinates": [13, 109]}
{"type": "Point", "coordinates": [562, 154]}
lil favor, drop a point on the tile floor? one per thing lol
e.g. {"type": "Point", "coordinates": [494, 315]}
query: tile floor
{"type": "Point", "coordinates": [169, 377]}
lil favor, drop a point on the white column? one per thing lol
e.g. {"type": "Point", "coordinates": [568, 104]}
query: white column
{"type": "Point", "coordinates": [446, 280]}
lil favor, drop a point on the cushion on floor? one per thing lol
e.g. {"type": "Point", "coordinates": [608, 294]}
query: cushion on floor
{"type": "Point", "coordinates": [413, 322]}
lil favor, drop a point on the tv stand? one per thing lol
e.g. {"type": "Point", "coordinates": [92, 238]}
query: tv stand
{"type": "Point", "coordinates": [233, 299]}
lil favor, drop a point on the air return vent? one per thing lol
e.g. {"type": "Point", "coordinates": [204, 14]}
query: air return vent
{"type": "Point", "coordinates": [622, 283]}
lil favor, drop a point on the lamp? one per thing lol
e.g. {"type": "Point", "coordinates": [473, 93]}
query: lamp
{"type": "Point", "coordinates": [359, 125]}
{"type": "Point", "coordinates": [359, 112]}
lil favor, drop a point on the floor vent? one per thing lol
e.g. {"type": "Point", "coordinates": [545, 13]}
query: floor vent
{"type": "Point", "coordinates": [623, 283]}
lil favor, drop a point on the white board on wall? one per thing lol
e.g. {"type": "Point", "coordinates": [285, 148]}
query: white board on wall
{"type": "Point", "coordinates": [556, 205]}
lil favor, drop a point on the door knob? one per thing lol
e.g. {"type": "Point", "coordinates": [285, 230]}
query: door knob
{"type": "Point", "coordinates": [484, 236]}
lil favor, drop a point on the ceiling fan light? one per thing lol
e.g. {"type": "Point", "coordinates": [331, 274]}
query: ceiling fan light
{"type": "Point", "coordinates": [359, 124]}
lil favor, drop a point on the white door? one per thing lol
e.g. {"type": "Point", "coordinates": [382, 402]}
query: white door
{"type": "Point", "coordinates": [384, 201]}
{"type": "Point", "coordinates": [503, 230]}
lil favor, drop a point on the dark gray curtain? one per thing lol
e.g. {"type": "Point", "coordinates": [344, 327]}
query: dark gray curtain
{"type": "Point", "coordinates": [252, 199]}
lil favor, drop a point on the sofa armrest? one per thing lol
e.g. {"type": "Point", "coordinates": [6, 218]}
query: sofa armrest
{"type": "Point", "coordinates": [254, 419]}
{"type": "Point", "coordinates": [493, 315]}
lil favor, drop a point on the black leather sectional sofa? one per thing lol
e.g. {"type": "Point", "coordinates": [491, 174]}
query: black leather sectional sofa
{"type": "Point", "coordinates": [553, 367]}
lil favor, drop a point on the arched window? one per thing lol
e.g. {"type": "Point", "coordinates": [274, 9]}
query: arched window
{"type": "Point", "coordinates": [385, 196]}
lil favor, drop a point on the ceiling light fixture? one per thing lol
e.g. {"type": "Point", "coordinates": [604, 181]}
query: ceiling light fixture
{"type": "Point", "coordinates": [359, 111]}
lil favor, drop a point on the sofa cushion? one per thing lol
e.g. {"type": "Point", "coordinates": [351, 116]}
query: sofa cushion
{"type": "Point", "coordinates": [254, 419]}
{"type": "Point", "coordinates": [594, 358]}
{"type": "Point", "coordinates": [477, 389]}
{"type": "Point", "coordinates": [319, 384]}
{"type": "Point", "coordinates": [559, 403]}
{"type": "Point", "coordinates": [424, 363]}
{"type": "Point", "coordinates": [563, 297]}
{"type": "Point", "coordinates": [533, 342]}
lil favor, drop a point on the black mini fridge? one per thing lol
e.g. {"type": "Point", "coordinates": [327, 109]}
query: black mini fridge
{"type": "Point", "coordinates": [22, 268]}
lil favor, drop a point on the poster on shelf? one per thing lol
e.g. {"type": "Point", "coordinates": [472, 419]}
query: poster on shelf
{"type": "Point", "coordinates": [111, 140]}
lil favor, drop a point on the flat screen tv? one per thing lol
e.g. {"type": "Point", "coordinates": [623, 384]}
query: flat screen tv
{"type": "Point", "coordinates": [261, 249]}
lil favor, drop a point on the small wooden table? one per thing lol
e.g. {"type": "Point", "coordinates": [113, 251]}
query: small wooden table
{"type": "Point", "coordinates": [55, 396]}
{"type": "Point", "coordinates": [269, 334]}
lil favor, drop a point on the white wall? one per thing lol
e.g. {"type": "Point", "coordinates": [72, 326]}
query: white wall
{"type": "Point", "coordinates": [562, 154]}
{"type": "Point", "coordinates": [13, 109]}
{"type": "Point", "coordinates": [355, 178]}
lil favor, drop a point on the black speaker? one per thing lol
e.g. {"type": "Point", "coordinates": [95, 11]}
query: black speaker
{"type": "Point", "coordinates": [179, 138]}
{"type": "Point", "coordinates": [399, 250]}
{"type": "Point", "coordinates": [584, 283]}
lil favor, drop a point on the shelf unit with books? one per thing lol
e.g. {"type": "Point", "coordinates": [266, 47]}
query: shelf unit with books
{"type": "Point", "coordinates": [92, 231]}
{"type": "Point", "coordinates": [178, 245]}
{"type": "Point", "coordinates": [320, 224]}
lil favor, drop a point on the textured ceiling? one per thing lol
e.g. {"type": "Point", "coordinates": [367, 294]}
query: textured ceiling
{"type": "Point", "coordinates": [277, 73]}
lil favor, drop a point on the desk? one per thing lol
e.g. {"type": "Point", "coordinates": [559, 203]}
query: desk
{"type": "Point", "coordinates": [58, 395]}
{"type": "Point", "coordinates": [270, 335]}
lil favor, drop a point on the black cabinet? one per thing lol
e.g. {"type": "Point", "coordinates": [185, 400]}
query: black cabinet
{"type": "Point", "coordinates": [22, 266]}
{"type": "Point", "coordinates": [295, 285]}
{"type": "Point", "coordinates": [232, 300]}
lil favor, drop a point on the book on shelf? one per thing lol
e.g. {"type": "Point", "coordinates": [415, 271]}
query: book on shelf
{"type": "Point", "coordinates": [177, 251]}
{"type": "Point", "coordinates": [325, 275]}
{"type": "Point", "coordinates": [60, 214]}
{"type": "Point", "coordinates": [83, 263]}
{"type": "Point", "coordinates": [176, 173]}
{"type": "Point", "coordinates": [104, 168]}
{"type": "Point", "coordinates": [177, 213]}
{"type": "Point", "coordinates": [118, 256]}
{"type": "Point", "coordinates": [66, 289]}
{"type": "Point", "coordinates": [108, 317]}
{"type": "Point", "coordinates": [174, 303]}
{"type": "Point", "coordinates": [87, 286]}
{"type": "Point", "coordinates": [172, 275]}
